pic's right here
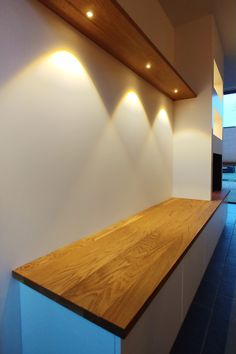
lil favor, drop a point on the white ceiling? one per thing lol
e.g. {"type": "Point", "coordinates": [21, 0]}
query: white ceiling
{"type": "Point", "coordinates": [183, 11]}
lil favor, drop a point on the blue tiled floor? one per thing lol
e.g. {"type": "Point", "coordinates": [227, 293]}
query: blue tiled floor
{"type": "Point", "coordinates": [210, 325]}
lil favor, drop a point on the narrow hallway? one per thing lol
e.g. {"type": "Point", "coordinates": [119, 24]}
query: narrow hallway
{"type": "Point", "coordinates": [210, 326]}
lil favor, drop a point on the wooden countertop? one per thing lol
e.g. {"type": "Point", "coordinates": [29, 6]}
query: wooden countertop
{"type": "Point", "coordinates": [110, 277]}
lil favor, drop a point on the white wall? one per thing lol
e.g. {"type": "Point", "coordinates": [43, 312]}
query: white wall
{"type": "Point", "coordinates": [150, 16]}
{"type": "Point", "coordinates": [197, 46]}
{"type": "Point", "coordinates": [217, 101]}
{"type": "Point", "coordinates": [84, 143]}
{"type": "Point", "coordinates": [218, 51]}
{"type": "Point", "coordinates": [192, 123]}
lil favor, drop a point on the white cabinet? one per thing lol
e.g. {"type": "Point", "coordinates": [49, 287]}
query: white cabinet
{"type": "Point", "coordinates": [193, 270]}
{"type": "Point", "coordinates": [48, 327]}
{"type": "Point", "coordinates": [156, 330]}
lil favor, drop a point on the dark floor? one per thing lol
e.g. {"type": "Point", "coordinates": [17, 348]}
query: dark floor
{"type": "Point", "coordinates": [210, 325]}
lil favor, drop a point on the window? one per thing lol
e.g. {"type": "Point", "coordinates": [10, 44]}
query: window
{"type": "Point", "coordinates": [230, 110]}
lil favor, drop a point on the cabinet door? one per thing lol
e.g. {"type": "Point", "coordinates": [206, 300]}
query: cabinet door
{"type": "Point", "coordinates": [197, 258]}
{"type": "Point", "coordinates": [214, 229]}
{"type": "Point", "coordinates": [193, 270]}
{"type": "Point", "coordinates": [156, 330]}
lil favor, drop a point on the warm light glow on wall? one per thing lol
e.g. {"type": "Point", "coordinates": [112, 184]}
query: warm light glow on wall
{"type": "Point", "coordinates": [66, 62]}
{"type": "Point", "coordinates": [131, 125]}
{"type": "Point", "coordinates": [162, 123]}
{"type": "Point", "coordinates": [132, 103]}
{"type": "Point", "coordinates": [217, 125]}
{"type": "Point", "coordinates": [163, 116]}
{"type": "Point", "coordinates": [132, 98]}
{"type": "Point", "coordinates": [218, 82]}
{"type": "Point", "coordinates": [217, 103]}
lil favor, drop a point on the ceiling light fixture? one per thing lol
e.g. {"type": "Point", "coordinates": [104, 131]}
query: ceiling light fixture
{"type": "Point", "coordinates": [89, 14]}
{"type": "Point", "coordinates": [176, 91]}
{"type": "Point", "coordinates": [148, 66]}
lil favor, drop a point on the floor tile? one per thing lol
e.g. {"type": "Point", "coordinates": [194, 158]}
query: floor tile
{"type": "Point", "coordinates": [223, 318]}
{"type": "Point", "coordinates": [206, 293]}
{"type": "Point", "coordinates": [224, 241]}
{"type": "Point", "coordinates": [231, 260]}
{"type": "Point", "coordinates": [233, 239]}
{"type": "Point", "coordinates": [217, 261]}
{"type": "Point", "coordinates": [232, 208]}
{"type": "Point", "coordinates": [230, 220]}
{"type": "Point", "coordinates": [220, 253]}
{"type": "Point", "coordinates": [228, 230]}
{"type": "Point", "coordinates": [214, 270]}
{"type": "Point", "coordinates": [230, 347]}
{"type": "Point", "coordinates": [210, 325]}
{"type": "Point", "coordinates": [191, 336]}
{"type": "Point", "coordinates": [232, 251]}
{"type": "Point", "coordinates": [229, 273]}
{"type": "Point", "coordinates": [228, 288]}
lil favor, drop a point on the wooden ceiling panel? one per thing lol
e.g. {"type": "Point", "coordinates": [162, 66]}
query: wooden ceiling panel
{"type": "Point", "coordinates": [113, 30]}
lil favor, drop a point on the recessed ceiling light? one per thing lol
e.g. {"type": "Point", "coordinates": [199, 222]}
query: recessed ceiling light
{"type": "Point", "coordinates": [176, 91]}
{"type": "Point", "coordinates": [148, 66]}
{"type": "Point", "coordinates": [89, 14]}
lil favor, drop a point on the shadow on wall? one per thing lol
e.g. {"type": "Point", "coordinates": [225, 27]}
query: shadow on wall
{"type": "Point", "coordinates": [134, 147]}
{"type": "Point", "coordinates": [112, 83]}
{"type": "Point", "coordinates": [84, 142]}
{"type": "Point", "coordinates": [50, 74]}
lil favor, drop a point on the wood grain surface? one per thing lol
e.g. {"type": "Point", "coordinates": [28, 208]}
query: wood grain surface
{"type": "Point", "coordinates": [113, 30]}
{"type": "Point", "coordinates": [110, 277]}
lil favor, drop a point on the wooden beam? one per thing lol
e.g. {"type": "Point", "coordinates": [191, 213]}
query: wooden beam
{"type": "Point", "coordinates": [111, 28]}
